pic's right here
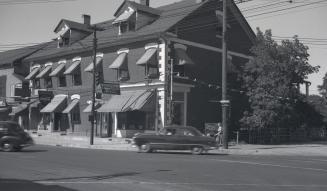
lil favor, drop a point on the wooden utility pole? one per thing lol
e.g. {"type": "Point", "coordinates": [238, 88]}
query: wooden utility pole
{"type": "Point", "coordinates": [224, 102]}
{"type": "Point", "coordinates": [93, 115]}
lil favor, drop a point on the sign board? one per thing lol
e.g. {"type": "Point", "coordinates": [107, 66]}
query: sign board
{"type": "Point", "coordinates": [110, 88]}
{"type": "Point", "coordinates": [45, 96]}
{"type": "Point", "coordinates": [210, 128]}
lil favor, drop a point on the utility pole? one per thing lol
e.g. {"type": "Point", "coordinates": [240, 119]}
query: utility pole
{"type": "Point", "coordinates": [93, 116]}
{"type": "Point", "coordinates": [224, 102]}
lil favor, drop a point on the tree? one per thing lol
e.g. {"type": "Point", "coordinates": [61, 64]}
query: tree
{"type": "Point", "coordinates": [270, 81]}
{"type": "Point", "coordinates": [323, 88]}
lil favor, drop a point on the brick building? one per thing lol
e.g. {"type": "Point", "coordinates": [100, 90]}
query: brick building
{"type": "Point", "coordinates": [166, 60]}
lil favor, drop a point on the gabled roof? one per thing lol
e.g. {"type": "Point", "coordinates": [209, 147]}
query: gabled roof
{"type": "Point", "coordinates": [137, 7]}
{"type": "Point", "coordinates": [11, 56]}
{"type": "Point", "coordinates": [72, 25]}
{"type": "Point", "coordinates": [169, 16]}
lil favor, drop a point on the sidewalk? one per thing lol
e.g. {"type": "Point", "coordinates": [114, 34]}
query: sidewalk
{"type": "Point", "coordinates": [314, 149]}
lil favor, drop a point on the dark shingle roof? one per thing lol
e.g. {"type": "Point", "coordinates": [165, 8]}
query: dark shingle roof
{"type": "Point", "coordinates": [11, 56]}
{"type": "Point", "coordinates": [73, 25]}
{"type": "Point", "coordinates": [169, 16]}
{"type": "Point", "coordinates": [139, 7]}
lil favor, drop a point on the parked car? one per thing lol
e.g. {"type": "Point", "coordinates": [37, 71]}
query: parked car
{"type": "Point", "coordinates": [175, 138]}
{"type": "Point", "coordinates": [13, 137]}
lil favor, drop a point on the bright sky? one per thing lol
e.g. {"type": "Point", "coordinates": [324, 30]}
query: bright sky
{"type": "Point", "coordinates": [29, 21]}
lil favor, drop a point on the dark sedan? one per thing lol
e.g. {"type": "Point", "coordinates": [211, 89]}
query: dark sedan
{"type": "Point", "coordinates": [13, 137]}
{"type": "Point", "coordinates": [175, 138]}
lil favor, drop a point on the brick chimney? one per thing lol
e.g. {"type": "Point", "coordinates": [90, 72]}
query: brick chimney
{"type": "Point", "coordinates": [145, 2]}
{"type": "Point", "coordinates": [87, 19]}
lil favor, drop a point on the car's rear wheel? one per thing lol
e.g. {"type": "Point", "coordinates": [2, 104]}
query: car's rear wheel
{"type": "Point", "coordinates": [145, 148]}
{"type": "Point", "coordinates": [197, 150]}
{"type": "Point", "coordinates": [8, 146]}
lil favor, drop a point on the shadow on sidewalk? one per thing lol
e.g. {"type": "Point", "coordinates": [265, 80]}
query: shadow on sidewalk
{"type": "Point", "coordinates": [26, 185]}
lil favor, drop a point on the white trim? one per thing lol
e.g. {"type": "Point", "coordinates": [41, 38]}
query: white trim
{"type": "Point", "coordinates": [142, 85]}
{"type": "Point", "coordinates": [35, 66]}
{"type": "Point", "coordinates": [185, 108]}
{"type": "Point", "coordinates": [151, 45]}
{"type": "Point", "coordinates": [100, 54]}
{"type": "Point", "coordinates": [78, 58]}
{"type": "Point", "coordinates": [48, 64]}
{"type": "Point", "coordinates": [215, 49]}
{"type": "Point", "coordinates": [63, 61]}
{"type": "Point", "coordinates": [123, 50]}
{"type": "Point", "coordinates": [75, 96]}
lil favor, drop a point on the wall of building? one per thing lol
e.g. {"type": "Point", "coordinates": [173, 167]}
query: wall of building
{"type": "Point", "coordinates": [11, 81]}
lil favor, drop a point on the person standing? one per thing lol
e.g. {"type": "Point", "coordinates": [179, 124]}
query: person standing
{"type": "Point", "coordinates": [219, 134]}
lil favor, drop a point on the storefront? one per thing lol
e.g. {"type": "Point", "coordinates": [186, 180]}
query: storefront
{"type": "Point", "coordinates": [129, 113]}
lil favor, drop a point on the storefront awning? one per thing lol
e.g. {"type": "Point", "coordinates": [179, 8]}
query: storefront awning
{"type": "Point", "coordinates": [45, 72]}
{"type": "Point", "coordinates": [120, 62]}
{"type": "Point", "coordinates": [60, 68]}
{"type": "Point", "coordinates": [17, 109]}
{"type": "Point", "coordinates": [32, 74]}
{"type": "Point", "coordinates": [89, 68]}
{"type": "Point", "coordinates": [127, 101]}
{"type": "Point", "coordinates": [182, 58]}
{"type": "Point", "coordinates": [124, 16]}
{"type": "Point", "coordinates": [148, 57]}
{"type": "Point", "coordinates": [88, 108]}
{"type": "Point", "coordinates": [71, 106]}
{"type": "Point", "coordinates": [71, 69]}
{"type": "Point", "coordinates": [57, 104]}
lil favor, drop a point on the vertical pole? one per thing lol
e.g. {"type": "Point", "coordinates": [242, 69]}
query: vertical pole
{"type": "Point", "coordinates": [93, 84]}
{"type": "Point", "coordinates": [171, 90]}
{"type": "Point", "coordinates": [224, 101]}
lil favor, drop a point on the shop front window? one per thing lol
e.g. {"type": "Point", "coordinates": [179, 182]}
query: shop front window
{"type": "Point", "coordinates": [133, 120]}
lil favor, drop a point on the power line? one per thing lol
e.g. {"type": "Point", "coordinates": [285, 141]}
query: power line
{"type": "Point", "coordinates": [33, 2]}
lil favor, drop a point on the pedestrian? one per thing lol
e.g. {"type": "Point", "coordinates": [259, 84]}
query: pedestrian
{"type": "Point", "coordinates": [219, 134]}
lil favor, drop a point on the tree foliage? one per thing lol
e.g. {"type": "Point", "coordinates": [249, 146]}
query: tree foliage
{"type": "Point", "coordinates": [270, 81]}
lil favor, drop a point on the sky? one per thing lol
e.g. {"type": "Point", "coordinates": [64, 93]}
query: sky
{"type": "Point", "coordinates": [24, 22]}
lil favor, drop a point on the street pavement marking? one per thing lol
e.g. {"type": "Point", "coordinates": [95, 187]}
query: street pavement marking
{"type": "Point", "coordinates": [272, 165]}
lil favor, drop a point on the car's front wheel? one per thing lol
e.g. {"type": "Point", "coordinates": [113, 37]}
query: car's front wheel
{"type": "Point", "coordinates": [145, 148]}
{"type": "Point", "coordinates": [197, 150]}
{"type": "Point", "coordinates": [8, 146]}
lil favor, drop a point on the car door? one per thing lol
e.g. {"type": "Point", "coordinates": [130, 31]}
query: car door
{"type": "Point", "coordinates": [170, 139]}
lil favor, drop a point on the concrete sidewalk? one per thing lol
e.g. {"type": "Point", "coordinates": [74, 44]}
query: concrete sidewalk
{"type": "Point", "coordinates": [314, 149]}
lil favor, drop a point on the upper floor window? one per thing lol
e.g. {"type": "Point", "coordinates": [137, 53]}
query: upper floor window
{"type": "Point", "coordinates": [62, 81]}
{"type": "Point", "coordinates": [48, 82]}
{"type": "Point", "coordinates": [150, 61]}
{"type": "Point", "coordinates": [77, 78]}
{"type": "Point", "coordinates": [181, 60]}
{"type": "Point", "coordinates": [121, 65]}
{"type": "Point", "coordinates": [36, 83]}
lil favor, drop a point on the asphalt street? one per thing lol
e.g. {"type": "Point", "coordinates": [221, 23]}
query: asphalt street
{"type": "Point", "coordinates": [50, 168]}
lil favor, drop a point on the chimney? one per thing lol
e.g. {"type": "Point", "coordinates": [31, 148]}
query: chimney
{"type": "Point", "coordinates": [87, 19]}
{"type": "Point", "coordinates": [145, 2]}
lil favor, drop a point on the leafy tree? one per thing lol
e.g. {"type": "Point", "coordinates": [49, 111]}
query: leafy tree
{"type": "Point", "coordinates": [270, 81]}
{"type": "Point", "coordinates": [323, 88]}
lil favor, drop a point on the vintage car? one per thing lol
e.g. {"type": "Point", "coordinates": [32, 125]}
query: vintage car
{"type": "Point", "coordinates": [175, 138]}
{"type": "Point", "coordinates": [13, 137]}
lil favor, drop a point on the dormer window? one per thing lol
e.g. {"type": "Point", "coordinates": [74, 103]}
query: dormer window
{"type": "Point", "coordinates": [126, 21]}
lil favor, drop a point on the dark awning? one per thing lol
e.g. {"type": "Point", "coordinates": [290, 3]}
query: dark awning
{"type": "Point", "coordinates": [56, 105]}
{"type": "Point", "coordinates": [71, 106]}
{"type": "Point", "coordinates": [17, 109]}
{"type": "Point", "coordinates": [89, 68]}
{"type": "Point", "coordinates": [120, 62]}
{"type": "Point", "coordinates": [148, 57]}
{"type": "Point", "coordinates": [127, 101]}
{"type": "Point", "coordinates": [32, 74]}
{"type": "Point", "coordinates": [60, 68]}
{"type": "Point", "coordinates": [45, 72]}
{"type": "Point", "coordinates": [182, 58]}
{"type": "Point", "coordinates": [71, 69]}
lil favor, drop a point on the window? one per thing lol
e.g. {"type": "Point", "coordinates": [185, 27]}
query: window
{"type": "Point", "coordinates": [75, 115]}
{"type": "Point", "coordinates": [36, 83]}
{"type": "Point", "coordinates": [48, 82]}
{"type": "Point", "coordinates": [123, 75]}
{"type": "Point", "coordinates": [151, 71]}
{"type": "Point", "coordinates": [123, 27]}
{"type": "Point", "coordinates": [62, 81]}
{"type": "Point", "coordinates": [77, 78]}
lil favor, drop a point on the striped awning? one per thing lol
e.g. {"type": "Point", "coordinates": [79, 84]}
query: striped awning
{"type": "Point", "coordinates": [127, 101]}
{"type": "Point", "coordinates": [89, 68]}
{"type": "Point", "coordinates": [148, 57]}
{"type": "Point", "coordinates": [57, 104]}
{"type": "Point", "coordinates": [120, 62]}
{"type": "Point", "coordinates": [71, 69]}
{"type": "Point", "coordinates": [60, 68]}
{"type": "Point", "coordinates": [71, 106]}
{"type": "Point", "coordinates": [45, 72]}
{"type": "Point", "coordinates": [32, 74]}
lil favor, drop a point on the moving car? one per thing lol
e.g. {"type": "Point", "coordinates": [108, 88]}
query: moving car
{"type": "Point", "coordinates": [13, 137]}
{"type": "Point", "coordinates": [175, 138]}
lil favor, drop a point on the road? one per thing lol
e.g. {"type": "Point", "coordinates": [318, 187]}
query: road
{"type": "Point", "coordinates": [49, 168]}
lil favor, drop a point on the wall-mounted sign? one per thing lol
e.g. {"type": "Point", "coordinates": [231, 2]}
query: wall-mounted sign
{"type": "Point", "coordinates": [110, 88]}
